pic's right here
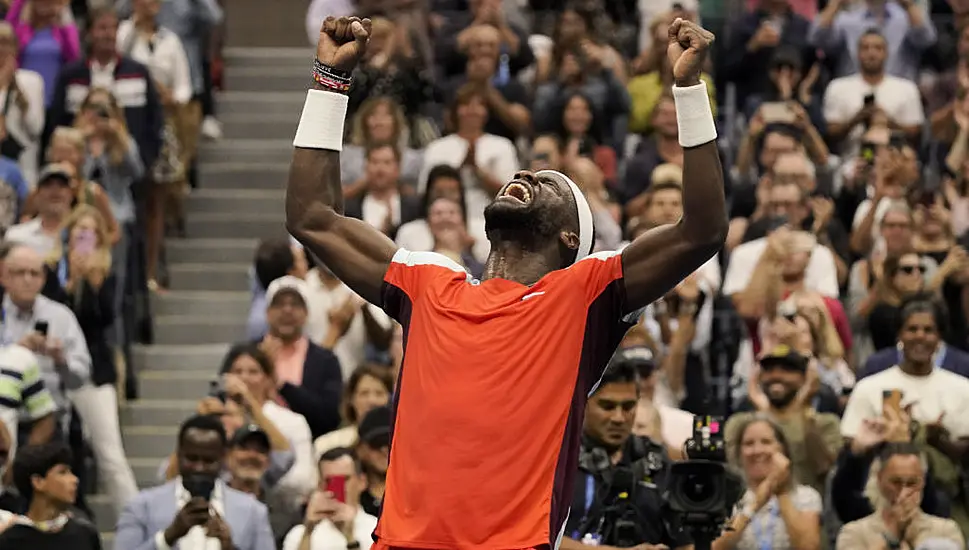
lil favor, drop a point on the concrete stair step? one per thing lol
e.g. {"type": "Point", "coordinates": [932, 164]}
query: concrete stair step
{"type": "Point", "coordinates": [200, 276]}
{"type": "Point", "coordinates": [268, 58]}
{"type": "Point", "coordinates": [201, 303]}
{"type": "Point", "coordinates": [105, 515]}
{"type": "Point", "coordinates": [146, 469]}
{"type": "Point", "coordinates": [200, 357]}
{"type": "Point", "coordinates": [150, 441]}
{"type": "Point", "coordinates": [160, 412]}
{"type": "Point", "coordinates": [248, 150]}
{"type": "Point", "coordinates": [281, 76]}
{"type": "Point", "coordinates": [273, 126]}
{"type": "Point", "coordinates": [265, 103]}
{"type": "Point", "coordinates": [233, 226]}
{"type": "Point", "coordinates": [245, 175]}
{"type": "Point", "coordinates": [241, 202]}
{"type": "Point", "coordinates": [189, 330]}
{"type": "Point", "coordinates": [180, 251]}
{"type": "Point", "coordinates": [175, 385]}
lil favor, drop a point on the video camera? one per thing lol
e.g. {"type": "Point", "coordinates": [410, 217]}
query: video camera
{"type": "Point", "coordinates": [702, 491]}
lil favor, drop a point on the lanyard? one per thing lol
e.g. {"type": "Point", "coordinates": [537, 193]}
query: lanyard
{"type": "Point", "coordinates": [590, 492]}
{"type": "Point", "coordinates": [765, 537]}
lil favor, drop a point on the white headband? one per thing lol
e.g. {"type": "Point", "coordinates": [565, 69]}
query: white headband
{"type": "Point", "coordinates": [586, 226]}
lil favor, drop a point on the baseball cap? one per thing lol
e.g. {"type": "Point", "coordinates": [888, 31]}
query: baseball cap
{"type": "Point", "coordinates": [288, 283]}
{"type": "Point", "coordinates": [54, 172]}
{"type": "Point", "coordinates": [250, 432]}
{"type": "Point", "coordinates": [784, 357]}
{"type": "Point", "coordinates": [374, 429]}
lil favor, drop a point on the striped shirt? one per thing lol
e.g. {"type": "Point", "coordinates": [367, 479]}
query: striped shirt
{"type": "Point", "coordinates": [23, 395]}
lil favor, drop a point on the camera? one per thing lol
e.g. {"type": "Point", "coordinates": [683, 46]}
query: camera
{"type": "Point", "coordinates": [702, 491]}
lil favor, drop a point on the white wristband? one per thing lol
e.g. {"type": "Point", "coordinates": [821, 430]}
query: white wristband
{"type": "Point", "coordinates": [694, 117]}
{"type": "Point", "coordinates": [321, 124]}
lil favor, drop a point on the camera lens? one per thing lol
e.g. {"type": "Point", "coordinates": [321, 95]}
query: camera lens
{"type": "Point", "coordinates": [700, 491]}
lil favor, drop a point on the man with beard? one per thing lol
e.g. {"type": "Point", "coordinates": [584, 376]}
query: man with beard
{"type": "Point", "coordinates": [493, 386]}
{"type": "Point", "coordinates": [373, 450]}
{"type": "Point", "coordinates": [814, 438]}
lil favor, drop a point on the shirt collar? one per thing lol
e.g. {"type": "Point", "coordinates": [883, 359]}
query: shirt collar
{"type": "Point", "coordinates": [21, 314]}
{"type": "Point", "coordinates": [48, 526]}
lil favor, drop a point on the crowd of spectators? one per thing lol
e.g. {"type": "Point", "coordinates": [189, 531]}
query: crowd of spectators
{"type": "Point", "coordinates": [832, 331]}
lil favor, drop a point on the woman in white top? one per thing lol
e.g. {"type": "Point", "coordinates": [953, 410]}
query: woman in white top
{"type": "Point", "coordinates": [21, 106]}
{"type": "Point", "coordinates": [255, 369]}
{"type": "Point", "coordinates": [158, 48]}
{"type": "Point", "coordinates": [367, 388]}
{"type": "Point", "coordinates": [774, 512]}
{"type": "Point", "coordinates": [486, 161]}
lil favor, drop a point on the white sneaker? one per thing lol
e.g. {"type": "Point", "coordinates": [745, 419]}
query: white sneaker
{"type": "Point", "coordinates": [211, 129]}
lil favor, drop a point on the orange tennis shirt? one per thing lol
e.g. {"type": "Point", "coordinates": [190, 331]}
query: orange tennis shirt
{"type": "Point", "coordinates": [491, 397]}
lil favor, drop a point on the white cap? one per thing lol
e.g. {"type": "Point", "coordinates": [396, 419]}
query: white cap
{"type": "Point", "coordinates": [586, 225]}
{"type": "Point", "coordinates": [288, 282]}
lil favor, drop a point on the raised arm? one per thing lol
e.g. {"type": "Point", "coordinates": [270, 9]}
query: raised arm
{"type": "Point", "coordinates": [662, 257]}
{"type": "Point", "coordinates": [356, 252]}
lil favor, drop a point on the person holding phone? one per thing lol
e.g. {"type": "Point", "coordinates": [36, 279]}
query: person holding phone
{"type": "Point", "coordinates": [334, 517]}
{"type": "Point", "coordinates": [196, 510]}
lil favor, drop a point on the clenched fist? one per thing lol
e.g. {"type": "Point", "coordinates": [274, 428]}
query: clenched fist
{"type": "Point", "coordinates": [687, 51]}
{"type": "Point", "coordinates": [343, 41]}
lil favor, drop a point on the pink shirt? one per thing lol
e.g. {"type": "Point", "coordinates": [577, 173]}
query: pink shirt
{"type": "Point", "coordinates": [289, 362]}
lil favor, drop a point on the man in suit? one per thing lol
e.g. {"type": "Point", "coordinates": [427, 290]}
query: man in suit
{"type": "Point", "coordinates": [382, 205]}
{"type": "Point", "coordinates": [196, 511]}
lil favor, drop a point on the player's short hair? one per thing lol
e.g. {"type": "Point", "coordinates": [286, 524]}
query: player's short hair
{"type": "Point", "coordinates": [274, 259]}
{"type": "Point", "coordinates": [38, 460]}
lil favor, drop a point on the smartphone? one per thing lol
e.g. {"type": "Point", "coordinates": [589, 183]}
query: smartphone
{"type": "Point", "coordinates": [926, 198]}
{"type": "Point", "coordinates": [869, 100]}
{"type": "Point", "coordinates": [337, 486]}
{"type": "Point", "coordinates": [777, 222]}
{"type": "Point", "coordinates": [199, 486]}
{"type": "Point", "coordinates": [103, 112]}
{"type": "Point", "coordinates": [41, 327]}
{"type": "Point", "coordinates": [892, 400]}
{"type": "Point", "coordinates": [867, 152]}
{"type": "Point", "coordinates": [216, 391]}
{"type": "Point", "coordinates": [86, 241]}
{"type": "Point", "coordinates": [897, 140]}
{"type": "Point", "coordinates": [777, 112]}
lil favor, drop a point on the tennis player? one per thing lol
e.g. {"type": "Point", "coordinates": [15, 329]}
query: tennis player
{"type": "Point", "coordinates": [491, 395]}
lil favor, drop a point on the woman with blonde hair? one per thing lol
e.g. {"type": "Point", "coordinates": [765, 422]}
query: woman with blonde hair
{"type": "Point", "coordinates": [113, 160]}
{"type": "Point", "coordinates": [22, 108]}
{"type": "Point", "coordinates": [379, 120]}
{"type": "Point", "coordinates": [67, 148]}
{"type": "Point", "coordinates": [79, 276]}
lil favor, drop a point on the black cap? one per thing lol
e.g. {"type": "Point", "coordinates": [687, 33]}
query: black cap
{"type": "Point", "coordinates": [785, 358]}
{"type": "Point", "coordinates": [639, 357]}
{"type": "Point", "coordinates": [786, 56]}
{"type": "Point", "coordinates": [248, 433]}
{"type": "Point", "coordinates": [54, 172]}
{"type": "Point", "coordinates": [374, 429]}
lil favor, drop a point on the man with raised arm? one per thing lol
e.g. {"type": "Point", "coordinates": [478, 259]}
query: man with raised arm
{"type": "Point", "coordinates": [492, 390]}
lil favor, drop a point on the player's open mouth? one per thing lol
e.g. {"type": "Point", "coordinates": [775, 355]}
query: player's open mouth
{"type": "Point", "coordinates": [517, 191]}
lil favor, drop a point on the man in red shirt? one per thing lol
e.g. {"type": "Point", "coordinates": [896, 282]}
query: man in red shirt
{"type": "Point", "coordinates": [491, 393]}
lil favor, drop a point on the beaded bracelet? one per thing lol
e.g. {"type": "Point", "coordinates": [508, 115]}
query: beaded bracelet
{"type": "Point", "coordinates": [330, 84]}
{"type": "Point", "coordinates": [331, 73]}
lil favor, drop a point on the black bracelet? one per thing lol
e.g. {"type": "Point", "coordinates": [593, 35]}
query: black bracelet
{"type": "Point", "coordinates": [331, 72]}
{"type": "Point", "coordinates": [353, 545]}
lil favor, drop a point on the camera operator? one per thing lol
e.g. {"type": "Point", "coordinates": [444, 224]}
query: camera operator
{"type": "Point", "coordinates": [611, 506]}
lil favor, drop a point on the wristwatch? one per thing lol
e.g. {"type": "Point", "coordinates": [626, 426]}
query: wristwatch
{"type": "Point", "coordinates": [353, 545]}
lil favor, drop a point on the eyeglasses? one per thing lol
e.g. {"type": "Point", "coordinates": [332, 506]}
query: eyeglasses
{"type": "Point", "coordinates": [909, 269]}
